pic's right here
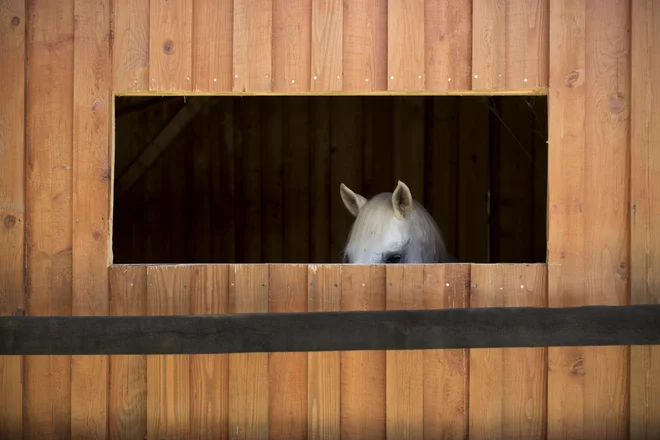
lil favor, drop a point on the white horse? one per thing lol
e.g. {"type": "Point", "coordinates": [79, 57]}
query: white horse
{"type": "Point", "coordinates": [392, 228]}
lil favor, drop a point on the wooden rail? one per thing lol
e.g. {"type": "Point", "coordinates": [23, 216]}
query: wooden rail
{"type": "Point", "coordinates": [497, 327]}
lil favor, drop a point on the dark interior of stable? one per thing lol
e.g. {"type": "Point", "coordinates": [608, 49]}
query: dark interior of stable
{"type": "Point", "coordinates": [256, 179]}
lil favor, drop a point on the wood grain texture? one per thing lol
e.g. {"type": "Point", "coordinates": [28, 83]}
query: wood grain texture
{"type": "Point", "coordinates": [248, 372]}
{"type": "Point", "coordinates": [445, 379]}
{"type": "Point", "coordinates": [48, 191]}
{"type": "Point", "coordinates": [292, 39]}
{"type": "Point", "coordinates": [405, 45]}
{"type": "Point", "coordinates": [448, 45]}
{"type": "Point", "coordinates": [327, 45]}
{"type": "Point", "coordinates": [212, 45]}
{"type": "Point", "coordinates": [92, 105]}
{"type": "Point", "coordinates": [526, 46]}
{"type": "Point", "coordinates": [510, 44]}
{"type": "Point", "coordinates": [363, 373]}
{"type": "Point", "coordinates": [209, 374]}
{"type": "Point", "coordinates": [130, 46]}
{"type": "Point", "coordinates": [324, 289]}
{"type": "Point", "coordinates": [12, 202]}
{"type": "Point", "coordinates": [645, 203]}
{"type": "Point", "coordinates": [404, 368]}
{"type": "Point", "coordinates": [589, 217]}
{"type": "Point", "coordinates": [168, 376]}
{"type": "Point", "coordinates": [127, 399]}
{"type": "Point", "coordinates": [287, 372]}
{"type": "Point", "coordinates": [252, 50]}
{"type": "Point", "coordinates": [170, 45]}
{"type": "Point", "coordinates": [365, 42]}
{"type": "Point", "coordinates": [508, 386]}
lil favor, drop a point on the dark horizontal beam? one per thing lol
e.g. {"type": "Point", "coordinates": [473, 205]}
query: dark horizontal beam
{"type": "Point", "coordinates": [330, 331]}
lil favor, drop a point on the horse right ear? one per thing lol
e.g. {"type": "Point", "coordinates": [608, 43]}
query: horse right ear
{"type": "Point", "coordinates": [352, 201]}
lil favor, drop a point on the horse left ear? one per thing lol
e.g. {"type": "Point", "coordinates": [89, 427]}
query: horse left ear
{"type": "Point", "coordinates": [352, 200]}
{"type": "Point", "coordinates": [402, 201]}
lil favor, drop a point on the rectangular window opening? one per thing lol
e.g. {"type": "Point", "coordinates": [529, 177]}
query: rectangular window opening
{"type": "Point", "coordinates": [216, 179]}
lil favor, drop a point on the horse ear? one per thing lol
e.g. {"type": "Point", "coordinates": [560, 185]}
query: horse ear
{"type": "Point", "coordinates": [352, 201]}
{"type": "Point", "coordinates": [402, 201]}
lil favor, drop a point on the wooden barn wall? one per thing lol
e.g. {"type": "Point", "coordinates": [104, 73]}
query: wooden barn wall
{"type": "Point", "coordinates": [55, 188]}
{"type": "Point", "coordinates": [256, 180]}
{"type": "Point", "coordinates": [328, 395]}
{"type": "Point", "coordinates": [262, 46]}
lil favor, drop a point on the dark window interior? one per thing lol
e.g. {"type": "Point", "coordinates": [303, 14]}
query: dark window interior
{"type": "Point", "coordinates": [256, 179]}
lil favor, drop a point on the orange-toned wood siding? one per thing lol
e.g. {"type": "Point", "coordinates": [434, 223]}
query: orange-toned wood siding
{"type": "Point", "coordinates": [61, 62]}
{"type": "Point", "coordinates": [589, 210]}
{"type": "Point", "coordinates": [393, 46]}
{"type": "Point", "coordinates": [12, 202]}
{"type": "Point", "coordinates": [645, 210]}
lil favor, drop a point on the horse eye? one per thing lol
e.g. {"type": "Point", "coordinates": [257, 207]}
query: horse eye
{"type": "Point", "coordinates": [393, 259]}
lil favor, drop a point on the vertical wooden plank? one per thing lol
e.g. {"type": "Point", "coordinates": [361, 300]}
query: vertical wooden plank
{"type": "Point", "coordinates": [209, 373]}
{"type": "Point", "coordinates": [12, 203]}
{"type": "Point", "coordinates": [212, 45]}
{"type": "Point", "coordinates": [405, 45]}
{"type": "Point", "coordinates": [508, 382]}
{"type": "Point", "coordinates": [589, 218]}
{"type": "Point", "coordinates": [365, 40]}
{"type": "Point", "coordinates": [292, 40]}
{"type": "Point", "coordinates": [130, 46]}
{"type": "Point", "coordinates": [408, 123]}
{"type": "Point", "coordinates": [379, 145]}
{"type": "Point", "coordinates": [346, 162]}
{"type": "Point", "coordinates": [168, 376]}
{"type": "Point", "coordinates": [323, 368]}
{"type": "Point", "coordinates": [92, 107]}
{"type": "Point", "coordinates": [247, 142]}
{"type": "Point", "coordinates": [510, 44]}
{"type": "Point", "coordinates": [511, 193]}
{"type": "Point", "coordinates": [363, 373]}
{"type": "Point", "coordinates": [248, 372]}
{"type": "Point", "coordinates": [47, 387]}
{"type": "Point", "coordinates": [445, 379]}
{"type": "Point", "coordinates": [473, 180]}
{"type": "Point", "coordinates": [196, 188]}
{"type": "Point", "coordinates": [441, 165]}
{"type": "Point", "coordinates": [645, 236]}
{"type": "Point", "coordinates": [170, 45]}
{"type": "Point", "coordinates": [223, 184]}
{"type": "Point", "coordinates": [526, 47]}
{"type": "Point", "coordinates": [252, 50]}
{"type": "Point", "coordinates": [448, 45]}
{"type": "Point", "coordinates": [327, 45]}
{"type": "Point", "coordinates": [287, 372]}
{"type": "Point", "coordinates": [296, 182]}
{"type": "Point", "coordinates": [127, 402]}
{"type": "Point", "coordinates": [488, 44]}
{"type": "Point", "coordinates": [272, 190]}
{"type": "Point", "coordinates": [321, 193]}
{"type": "Point", "coordinates": [405, 368]}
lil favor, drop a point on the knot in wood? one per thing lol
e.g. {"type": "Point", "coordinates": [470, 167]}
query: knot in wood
{"type": "Point", "coordinates": [167, 47]}
{"type": "Point", "coordinates": [574, 79]}
{"type": "Point", "coordinates": [10, 221]}
{"type": "Point", "coordinates": [15, 21]}
{"type": "Point", "coordinates": [617, 104]}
